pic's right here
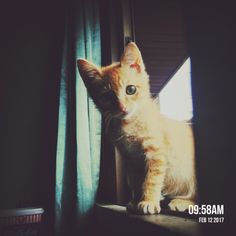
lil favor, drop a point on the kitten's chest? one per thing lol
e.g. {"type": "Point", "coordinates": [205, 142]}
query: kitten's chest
{"type": "Point", "coordinates": [128, 138]}
{"type": "Point", "coordinates": [129, 143]}
{"type": "Point", "coordinates": [132, 152]}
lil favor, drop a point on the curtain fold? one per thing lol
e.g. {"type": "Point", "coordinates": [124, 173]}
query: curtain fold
{"type": "Point", "coordinates": [79, 123]}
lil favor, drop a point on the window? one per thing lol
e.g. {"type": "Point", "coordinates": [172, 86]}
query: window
{"type": "Point", "coordinates": [176, 97]}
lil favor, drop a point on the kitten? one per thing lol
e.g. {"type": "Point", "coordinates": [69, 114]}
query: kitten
{"type": "Point", "coordinates": [158, 152]}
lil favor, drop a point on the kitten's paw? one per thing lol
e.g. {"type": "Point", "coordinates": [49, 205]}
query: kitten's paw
{"type": "Point", "coordinates": [180, 204]}
{"type": "Point", "coordinates": [148, 207]}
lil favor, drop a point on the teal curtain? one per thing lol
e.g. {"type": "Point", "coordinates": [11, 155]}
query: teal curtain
{"type": "Point", "coordinates": [79, 123]}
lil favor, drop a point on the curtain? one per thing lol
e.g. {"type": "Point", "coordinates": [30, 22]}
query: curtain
{"type": "Point", "coordinates": [79, 123]}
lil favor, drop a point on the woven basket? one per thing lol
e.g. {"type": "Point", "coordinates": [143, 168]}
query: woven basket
{"type": "Point", "coordinates": [22, 221]}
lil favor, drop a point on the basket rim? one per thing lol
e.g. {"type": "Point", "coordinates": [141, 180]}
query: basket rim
{"type": "Point", "coordinates": [21, 212]}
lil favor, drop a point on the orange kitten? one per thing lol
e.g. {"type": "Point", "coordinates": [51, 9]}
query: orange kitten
{"type": "Point", "coordinates": [158, 152]}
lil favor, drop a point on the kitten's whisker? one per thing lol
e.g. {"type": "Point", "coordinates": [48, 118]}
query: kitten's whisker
{"type": "Point", "coordinates": [118, 139]}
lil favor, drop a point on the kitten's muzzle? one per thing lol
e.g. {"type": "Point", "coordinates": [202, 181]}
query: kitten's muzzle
{"type": "Point", "coordinates": [122, 108]}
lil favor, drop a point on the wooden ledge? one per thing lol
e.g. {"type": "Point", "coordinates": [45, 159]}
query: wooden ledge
{"type": "Point", "coordinates": [116, 221]}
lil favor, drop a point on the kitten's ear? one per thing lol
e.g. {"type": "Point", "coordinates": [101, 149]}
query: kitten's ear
{"type": "Point", "coordinates": [132, 57]}
{"type": "Point", "coordinates": [88, 71]}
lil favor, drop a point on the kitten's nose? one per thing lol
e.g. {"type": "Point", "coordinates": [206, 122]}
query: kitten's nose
{"type": "Point", "coordinates": [122, 108]}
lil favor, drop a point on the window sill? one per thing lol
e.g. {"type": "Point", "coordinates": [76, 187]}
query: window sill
{"type": "Point", "coordinates": [114, 220]}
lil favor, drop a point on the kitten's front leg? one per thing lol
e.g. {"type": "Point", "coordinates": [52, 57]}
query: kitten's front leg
{"type": "Point", "coordinates": [153, 181]}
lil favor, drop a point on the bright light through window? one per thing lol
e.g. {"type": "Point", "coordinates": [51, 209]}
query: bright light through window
{"type": "Point", "coordinates": [176, 97]}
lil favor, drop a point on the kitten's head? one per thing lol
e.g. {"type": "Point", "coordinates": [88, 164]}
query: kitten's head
{"type": "Point", "coordinates": [121, 88]}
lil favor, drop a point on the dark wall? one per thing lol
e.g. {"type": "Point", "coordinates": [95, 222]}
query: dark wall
{"type": "Point", "coordinates": [211, 43]}
{"type": "Point", "coordinates": [160, 36]}
{"type": "Point", "coordinates": [31, 47]}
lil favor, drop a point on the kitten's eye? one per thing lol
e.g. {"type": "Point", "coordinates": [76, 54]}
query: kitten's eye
{"type": "Point", "coordinates": [131, 89]}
